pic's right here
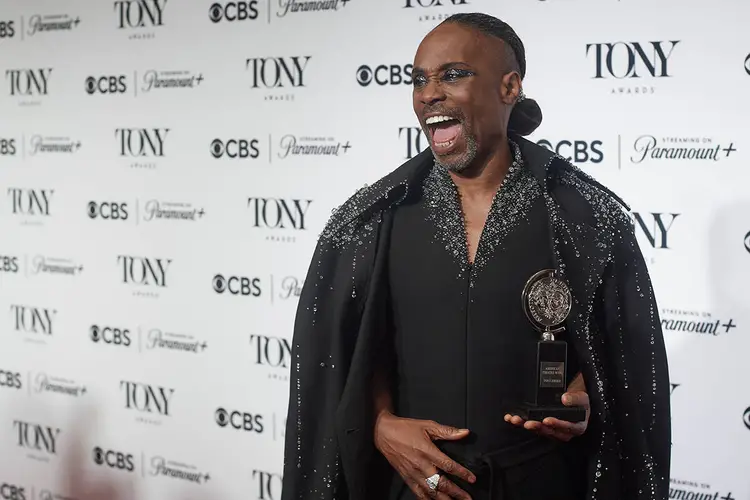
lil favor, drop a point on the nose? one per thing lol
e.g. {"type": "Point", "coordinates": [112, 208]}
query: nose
{"type": "Point", "coordinates": [431, 93]}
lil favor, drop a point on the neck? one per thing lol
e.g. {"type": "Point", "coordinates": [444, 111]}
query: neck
{"type": "Point", "coordinates": [484, 177]}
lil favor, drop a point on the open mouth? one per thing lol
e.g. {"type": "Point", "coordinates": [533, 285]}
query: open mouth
{"type": "Point", "coordinates": [444, 131]}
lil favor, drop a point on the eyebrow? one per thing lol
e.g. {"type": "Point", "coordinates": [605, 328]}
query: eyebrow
{"type": "Point", "coordinates": [442, 67]}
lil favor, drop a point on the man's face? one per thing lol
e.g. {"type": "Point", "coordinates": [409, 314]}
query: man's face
{"type": "Point", "coordinates": [457, 93]}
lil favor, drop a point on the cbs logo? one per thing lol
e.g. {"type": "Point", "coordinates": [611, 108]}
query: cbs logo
{"type": "Point", "coordinates": [8, 264]}
{"type": "Point", "coordinates": [108, 210]}
{"type": "Point", "coordinates": [113, 336]}
{"type": "Point", "coordinates": [106, 85]}
{"type": "Point", "coordinates": [239, 420]}
{"type": "Point", "coordinates": [576, 151]}
{"type": "Point", "coordinates": [12, 492]}
{"type": "Point", "coordinates": [6, 29]}
{"type": "Point", "coordinates": [233, 11]}
{"type": "Point", "coordinates": [114, 459]}
{"type": "Point", "coordinates": [384, 74]}
{"type": "Point", "coordinates": [237, 285]}
{"type": "Point", "coordinates": [10, 379]}
{"type": "Point", "coordinates": [235, 148]}
{"type": "Point", "coordinates": [7, 147]}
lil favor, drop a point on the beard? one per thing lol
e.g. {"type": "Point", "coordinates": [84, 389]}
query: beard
{"type": "Point", "coordinates": [462, 162]}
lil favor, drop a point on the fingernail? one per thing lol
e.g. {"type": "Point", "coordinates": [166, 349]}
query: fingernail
{"type": "Point", "coordinates": [567, 399]}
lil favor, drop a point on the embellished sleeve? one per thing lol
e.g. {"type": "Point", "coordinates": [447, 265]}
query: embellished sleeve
{"type": "Point", "coordinates": [638, 375]}
{"type": "Point", "coordinates": [310, 451]}
{"type": "Point", "coordinates": [323, 343]}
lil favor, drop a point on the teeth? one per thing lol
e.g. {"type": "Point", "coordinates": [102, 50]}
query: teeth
{"type": "Point", "coordinates": [438, 119]}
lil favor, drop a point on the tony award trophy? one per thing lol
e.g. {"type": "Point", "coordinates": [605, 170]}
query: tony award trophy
{"type": "Point", "coordinates": [547, 302]}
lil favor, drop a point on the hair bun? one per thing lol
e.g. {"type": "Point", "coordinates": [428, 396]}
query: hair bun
{"type": "Point", "coordinates": [525, 117]}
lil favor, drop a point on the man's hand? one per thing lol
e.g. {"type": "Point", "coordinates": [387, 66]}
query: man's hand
{"type": "Point", "coordinates": [408, 446]}
{"type": "Point", "coordinates": [560, 429]}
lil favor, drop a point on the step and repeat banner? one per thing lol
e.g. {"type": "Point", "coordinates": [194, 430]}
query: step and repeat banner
{"type": "Point", "coordinates": [166, 167]}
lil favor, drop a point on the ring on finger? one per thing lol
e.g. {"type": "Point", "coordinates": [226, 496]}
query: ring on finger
{"type": "Point", "coordinates": [433, 481]}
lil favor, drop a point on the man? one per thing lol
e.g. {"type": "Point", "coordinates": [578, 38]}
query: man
{"type": "Point", "coordinates": [411, 344]}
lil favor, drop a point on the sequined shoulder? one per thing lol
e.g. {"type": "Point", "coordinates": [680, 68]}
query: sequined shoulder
{"type": "Point", "coordinates": [607, 209]}
{"type": "Point", "coordinates": [357, 212]}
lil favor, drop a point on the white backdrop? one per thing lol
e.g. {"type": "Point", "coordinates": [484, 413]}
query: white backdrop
{"type": "Point", "coordinates": [166, 167]}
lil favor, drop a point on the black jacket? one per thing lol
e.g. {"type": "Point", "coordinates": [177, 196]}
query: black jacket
{"type": "Point", "coordinates": [614, 327]}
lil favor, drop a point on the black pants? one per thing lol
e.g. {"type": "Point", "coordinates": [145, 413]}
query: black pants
{"type": "Point", "coordinates": [558, 474]}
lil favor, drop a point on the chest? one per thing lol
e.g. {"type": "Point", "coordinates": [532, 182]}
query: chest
{"type": "Point", "coordinates": [475, 213]}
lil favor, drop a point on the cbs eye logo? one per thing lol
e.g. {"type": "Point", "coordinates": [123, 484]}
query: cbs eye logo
{"type": "Point", "coordinates": [239, 420]}
{"type": "Point", "coordinates": [114, 459]}
{"type": "Point", "coordinates": [364, 75]}
{"type": "Point", "coordinates": [108, 210]}
{"type": "Point", "coordinates": [746, 417]}
{"type": "Point", "coordinates": [235, 148]}
{"type": "Point", "coordinates": [222, 417]}
{"type": "Point", "coordinates": [98, 456]}
{"type": "Point", "coordinates": [112, 84]}
{"type": "Point", "coordinates": [747, 241]}
{"type": "Point", "coordinates": [385, 74]}
{"type": "Point", "coordinates": [233, 11]}
{"type": "Point", "coordinates": [114, 336]}
{"type": "Point", "coordinates": [237, 285]}
{"type": "Point", "coordinates": [220, 284]}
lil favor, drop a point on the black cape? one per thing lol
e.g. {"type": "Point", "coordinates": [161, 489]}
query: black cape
{"type": "Point", "coordinates": [613, 325]}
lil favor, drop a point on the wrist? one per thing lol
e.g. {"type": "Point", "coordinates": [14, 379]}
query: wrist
{"type": "Point", "coordinates": [381, 417]}
{"type": "Point", "coordinates": [382, 413]}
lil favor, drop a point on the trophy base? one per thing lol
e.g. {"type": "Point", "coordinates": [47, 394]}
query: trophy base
{"type": "Point", "coordinates": [538, 413]}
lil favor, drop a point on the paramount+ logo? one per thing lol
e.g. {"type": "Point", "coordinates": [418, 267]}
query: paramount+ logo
{"type": "Point", "coordinates": [237, 285]}
{"type": "Point", "coordinates": [384, 74]}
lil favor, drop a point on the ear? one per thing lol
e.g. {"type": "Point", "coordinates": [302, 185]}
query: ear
{"type": "Point", "coordinates": [510, 88]}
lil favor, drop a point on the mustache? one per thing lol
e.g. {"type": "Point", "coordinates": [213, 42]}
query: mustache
{"type": "Point", "coordinates": [455, 113]}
